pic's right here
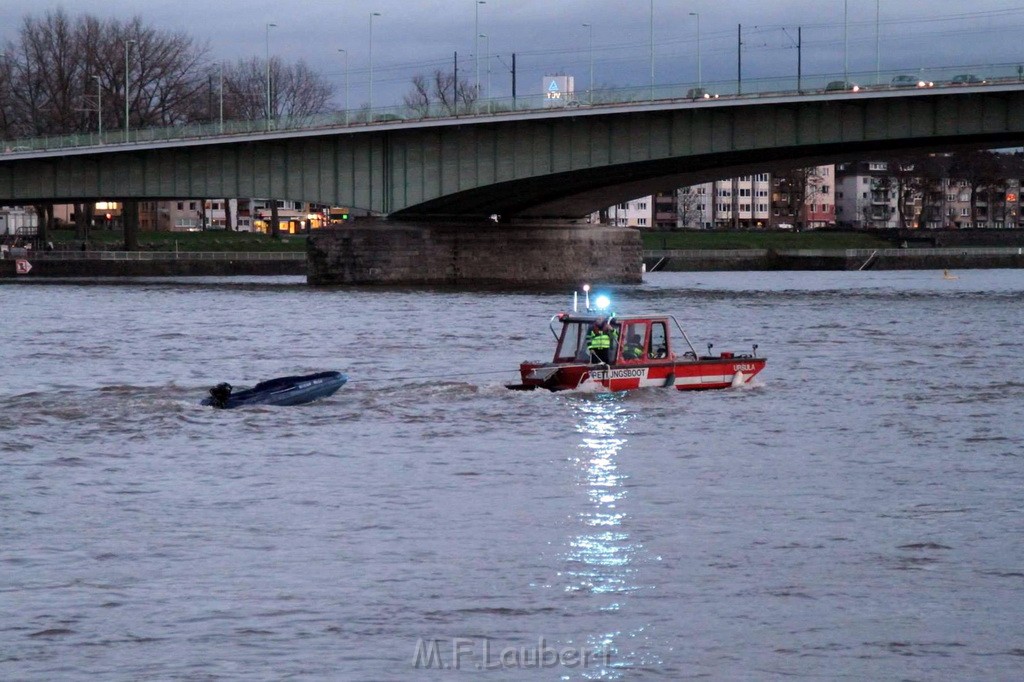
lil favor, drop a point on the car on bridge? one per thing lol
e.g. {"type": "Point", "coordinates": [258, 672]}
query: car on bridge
{"type": "Point", "coordinates": [904, 81]}
{"type": "Point", "coordinates": [842, 86]}
{"type": "Point", "coordinates": [700, 93]}
{"type": "Point", "coordinates": [967, 79]}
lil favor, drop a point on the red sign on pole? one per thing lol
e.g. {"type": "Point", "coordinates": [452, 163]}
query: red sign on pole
{"type": "Point", "coordinates": [22, 266]}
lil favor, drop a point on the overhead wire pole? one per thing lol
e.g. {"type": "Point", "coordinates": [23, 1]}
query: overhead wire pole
{"type": "Point", "coordinates": [739, 59]}
{"type": "Point", "coordinates": [221, 107]}
{"type": "Point", "coordinates": [99, 110]}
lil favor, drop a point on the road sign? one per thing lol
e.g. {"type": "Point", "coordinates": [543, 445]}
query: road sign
{"type": "Point", "coordinates": [22, 266]}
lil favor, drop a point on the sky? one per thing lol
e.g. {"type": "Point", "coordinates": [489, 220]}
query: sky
{"type": "Point", "coordinates": [413, 37]}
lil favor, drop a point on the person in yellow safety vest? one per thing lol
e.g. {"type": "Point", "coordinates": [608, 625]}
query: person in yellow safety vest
{"type": "Point", "coordinates": [599, 341]}
{"type": "Point", "coordinates": [634, 349]}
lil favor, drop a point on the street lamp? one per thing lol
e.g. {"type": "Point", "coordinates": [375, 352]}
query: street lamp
{"type": "Point", "coordinates": [127, 44]}
{"type": "Point", "coordinates": [846, 44]}
{"type": "Point", "coordinates": [346, 83]}
{"type": "Point", "coordinates": [878, 55]}
{"type": "Point", "coordinates": [372, 15]}
{"type": "Point", "coordinates": [269, 26]}
{"type": "Point", "coordinates": [99, 109]}
{"type": "Point", "coordinates": [487, 61]}
{"type": "Point", "coordinates": [590, 29]}
{"type": "Point", "coordinates": [476, 44]}
{"type": "Point", "coordinates": [652, 50]}
{"type": "Point", "coordinates": [700, 80]}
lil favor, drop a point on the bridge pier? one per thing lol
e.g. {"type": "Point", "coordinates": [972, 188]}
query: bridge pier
{"type": "Point", "coordinates": [474, 254]}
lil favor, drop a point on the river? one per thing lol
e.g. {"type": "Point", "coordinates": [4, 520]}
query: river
{"type": "Point", "coordinates": [855, 514]}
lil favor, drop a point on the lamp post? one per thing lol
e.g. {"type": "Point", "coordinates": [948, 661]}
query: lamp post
{"type": "Point", "coordinates": [652, 50]}
{"type": "Point", "coordinates": [99, 109]}
{"type": "Point", "coordinates": [269, 26]}
{"type": "Point", "coordinates": [487, 62]}
{"type": "Point", "coordinates": [346, 83]}
{"type": "Point", "coordinates": [127, 44]}
{"type": "Point", "coordinates": [846, 43]}
{"type": "Point", "coordinates": [476, 43]}
{"type": "Point", "coordinates": [700, 80]}
{"type": "Point", "coordinates": [878, 54]}
{"type": "Point", "coordinates": [372, 15]}
{"type": "Point", "coordinates": [590, 29]}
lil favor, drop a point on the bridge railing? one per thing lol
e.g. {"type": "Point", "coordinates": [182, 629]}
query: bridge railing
{"type": "Point", "coordinates": [972, 75]}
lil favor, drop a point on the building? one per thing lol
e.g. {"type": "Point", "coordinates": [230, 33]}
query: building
{"type": "Point", "coordinates": [755, 201]}
{"type": "Point", "coordinates": [18, 221]}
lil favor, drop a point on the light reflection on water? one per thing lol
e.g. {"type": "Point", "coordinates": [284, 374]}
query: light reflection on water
{"type": "Point", "coordinates": [603, 557]}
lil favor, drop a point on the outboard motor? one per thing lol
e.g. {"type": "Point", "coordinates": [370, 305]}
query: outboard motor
{"type": "Point", "coordinates": [220, 394]}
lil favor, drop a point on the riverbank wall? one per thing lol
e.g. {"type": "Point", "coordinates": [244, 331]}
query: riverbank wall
{"type": "Point", "coordinates": [58, 264]}
{"type": "Point", "coordinates": [833, 259]}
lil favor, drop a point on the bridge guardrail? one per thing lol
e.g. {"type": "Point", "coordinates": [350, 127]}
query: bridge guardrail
{"type": "Point", "coordinates": [748, 89]}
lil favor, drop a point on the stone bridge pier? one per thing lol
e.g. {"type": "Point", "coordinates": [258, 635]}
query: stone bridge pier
{"type": "Point", "coordinates": [474, 254]}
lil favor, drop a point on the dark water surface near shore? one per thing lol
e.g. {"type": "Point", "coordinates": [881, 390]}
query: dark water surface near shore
{"type": "Point", "coordinates": [856, 514]}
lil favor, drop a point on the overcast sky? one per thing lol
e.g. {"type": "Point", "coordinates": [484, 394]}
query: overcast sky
{"type": "Point", "coordinates": [548, 37]}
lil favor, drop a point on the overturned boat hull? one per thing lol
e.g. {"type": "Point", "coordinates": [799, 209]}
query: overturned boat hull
{"type": "Point", "coordinates": [291, 390]}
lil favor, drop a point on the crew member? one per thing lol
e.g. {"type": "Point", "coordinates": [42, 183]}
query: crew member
{"type": "Point", "coordinates": [634, 349]}
{"type": "Point", "coordinates": [599, 341]}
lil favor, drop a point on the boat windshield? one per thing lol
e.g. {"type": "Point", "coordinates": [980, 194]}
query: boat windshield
{"type": "Point", "coordinates": [572, 345]}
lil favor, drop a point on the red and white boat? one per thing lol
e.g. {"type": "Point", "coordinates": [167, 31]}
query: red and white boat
{"type": "Point", "coordinates": [642, 354]}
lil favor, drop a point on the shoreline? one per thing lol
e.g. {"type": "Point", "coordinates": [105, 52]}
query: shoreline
{"type": "Point", "coordinates": [961, 258]}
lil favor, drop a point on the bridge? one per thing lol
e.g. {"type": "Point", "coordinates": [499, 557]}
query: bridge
{"type": "Point", "coordinates": [526, 166]}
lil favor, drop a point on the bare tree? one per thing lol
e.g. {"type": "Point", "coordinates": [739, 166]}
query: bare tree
{"type": "Point", "coordinates": [440, 89]}
{"type": "Point", "coordinates": [418, 99]}
{"type": "Point", "coordinates": [690, 207]}
{"type": "Point", "coordinates": [61, 68]}
{"type": "Point", "coordinates": [296, 91]}
{"type": "Point", "coordinates": [981, 170]}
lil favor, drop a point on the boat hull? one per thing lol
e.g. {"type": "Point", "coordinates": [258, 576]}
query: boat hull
{"type": "Point", "coordinates": [685, 375]}
{"type": "Point", "coordinates": [292, 390]}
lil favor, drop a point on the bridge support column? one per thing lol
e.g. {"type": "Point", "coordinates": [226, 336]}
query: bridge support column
{"type": "Point", "coordinates": [488, 254]}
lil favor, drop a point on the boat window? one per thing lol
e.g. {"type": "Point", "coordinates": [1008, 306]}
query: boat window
{"type": "Point", "coordinates": [658, 347]}
{"type": "Point", "coordinates": [634, 341]}
{"type": "Point", "coordinates": [573, 344]}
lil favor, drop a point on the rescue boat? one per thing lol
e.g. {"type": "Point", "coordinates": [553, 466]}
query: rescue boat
{"type": "Point", "coordinates": [642, 353]}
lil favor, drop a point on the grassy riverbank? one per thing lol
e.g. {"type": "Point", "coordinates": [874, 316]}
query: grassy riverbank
{"type": "Point", "coordinates": [218, 240]}
{"type": "Point", "coordinates": [707, 239]}
{"type": "Point", "coordinates": [690, 239]}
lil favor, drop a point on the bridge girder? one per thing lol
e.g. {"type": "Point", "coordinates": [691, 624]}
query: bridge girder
{"type": "Point", "coordinates": [560, 165]}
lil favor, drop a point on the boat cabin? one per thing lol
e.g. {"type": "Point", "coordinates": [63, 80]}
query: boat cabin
{"type": "Point", "coordinates": [634, 340]}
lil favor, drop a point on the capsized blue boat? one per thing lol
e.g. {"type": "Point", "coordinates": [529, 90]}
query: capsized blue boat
{"type": "Point", "coordinates": [281, 391]}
